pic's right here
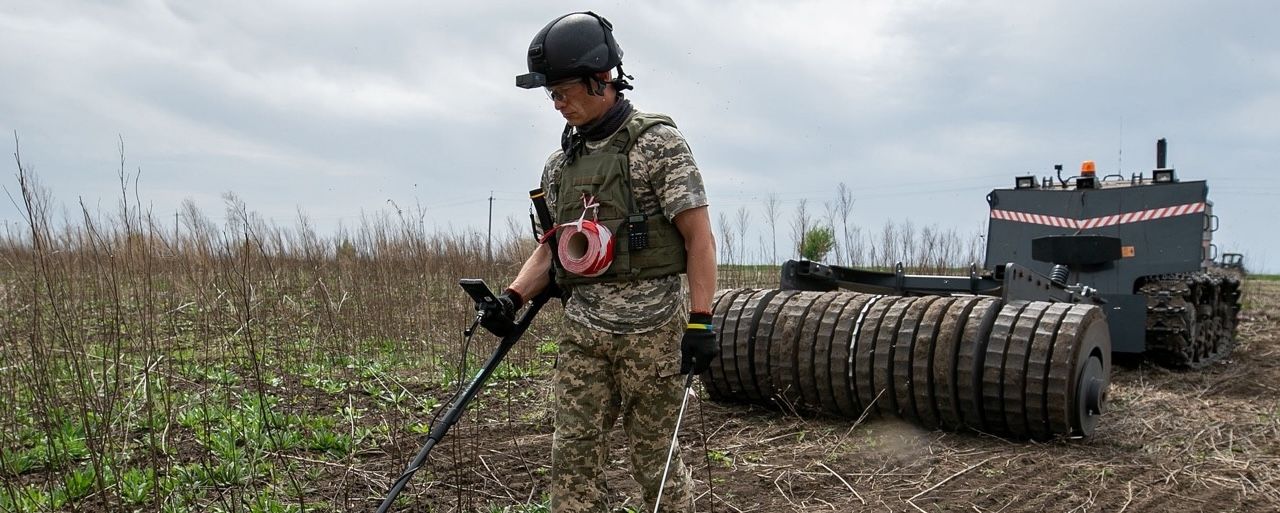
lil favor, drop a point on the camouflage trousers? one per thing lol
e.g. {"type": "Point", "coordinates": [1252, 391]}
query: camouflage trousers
{"type": "Point", "coordinates": [598, 377]}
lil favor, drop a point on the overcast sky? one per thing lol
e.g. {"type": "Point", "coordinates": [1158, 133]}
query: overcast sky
{"type": "Point", "coordinates": [922, 107]}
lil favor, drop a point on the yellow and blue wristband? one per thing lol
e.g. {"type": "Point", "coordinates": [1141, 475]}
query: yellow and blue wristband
{"type": "Point", "coordinates": [700, 321]}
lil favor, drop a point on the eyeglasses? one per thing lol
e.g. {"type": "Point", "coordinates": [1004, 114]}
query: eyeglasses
{"type": "Point", "coordinates": [559, 92]}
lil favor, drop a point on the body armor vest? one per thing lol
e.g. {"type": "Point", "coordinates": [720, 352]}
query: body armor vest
{"type": "Point", "coordinates": [646, 244]}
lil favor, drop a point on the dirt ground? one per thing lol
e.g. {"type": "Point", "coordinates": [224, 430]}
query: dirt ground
{"type": "Point", "coordinates": [1206, 440]}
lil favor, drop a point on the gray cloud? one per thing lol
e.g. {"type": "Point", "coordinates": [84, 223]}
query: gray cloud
{"type": "Point", "coordinates": [921, 107]}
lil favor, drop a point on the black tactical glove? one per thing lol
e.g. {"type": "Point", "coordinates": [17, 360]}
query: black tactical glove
{"type": "Point", "coordinates": [499, 317]}
{"type": "Point", "coordinates": [698, 346]}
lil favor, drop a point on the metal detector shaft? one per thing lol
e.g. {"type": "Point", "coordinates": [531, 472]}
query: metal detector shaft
{"type": "Point", "coordinates": [460, 404]}
{"type": "Point", "coordinates": [688, 382]}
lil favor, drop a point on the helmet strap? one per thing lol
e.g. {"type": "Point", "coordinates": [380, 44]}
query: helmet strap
{"type": "Point", "coordinates": [620, 84]}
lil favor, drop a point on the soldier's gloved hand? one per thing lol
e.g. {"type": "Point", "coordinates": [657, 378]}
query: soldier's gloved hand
{"type": "Point", "coordinates": [500, 317]}
{"type": "Point", "coordinates": [698, 346]}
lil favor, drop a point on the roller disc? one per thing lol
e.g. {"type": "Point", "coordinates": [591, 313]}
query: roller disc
{"type": "Point", "coordinates": [720, 311]}
{"type": "Point", "coordinates": [825, 352]}
{"type": "Point", "coordinates": [1093, 380]}
{"type": "Point", "coordinates": [761, 368]}
{"type": "Point", "coordinates": [1038, 369]}
{"type": "Point", "coordinates": [865, 352]}
{"type": "Point", "coordinates": [728, 370]}
{"type": "Point", "coordinates": [782, 349]}
{"type": "Point", "coordinates": [973, 347]}
{"type": "Point", "coordinates": [1015, 368]}
{"type": "Point", "coordinates": [807, 348]}
{"type": "Point", "coordinates": [946, 349]}
{"type": "Point", "coordinates": [992, 366]}
{"type": "Point", "coordinates": [715, 299]}
{"type": "Point", "coordinates": [1082, 336]}
{"type": "Point", "coordinates": [904, 354]}
{"type": "Point", "coordinates": [746, 343]}
{"type": "Point", "coordinates": [842, 386]}
{"type": "Point", "coordinates": [886, 342]}
{"type": "Point", "coordinates": [922, 385]}
{"type": "Point", "coordinates": [1091, 395]}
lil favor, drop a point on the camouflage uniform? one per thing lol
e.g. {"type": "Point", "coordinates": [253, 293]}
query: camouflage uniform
{"type": "Point", "coordinates": [620, 349]}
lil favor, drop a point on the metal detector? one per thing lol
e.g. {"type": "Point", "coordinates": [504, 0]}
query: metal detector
{"type": "Point", "coordinates": [481, 293]}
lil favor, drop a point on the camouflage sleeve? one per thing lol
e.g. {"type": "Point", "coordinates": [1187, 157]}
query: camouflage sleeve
{"type": "Point", "coordinates": [667, 162]}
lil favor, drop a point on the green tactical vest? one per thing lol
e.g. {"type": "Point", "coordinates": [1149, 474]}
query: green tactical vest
{"type": "Point", "coordinates": [606, 175]}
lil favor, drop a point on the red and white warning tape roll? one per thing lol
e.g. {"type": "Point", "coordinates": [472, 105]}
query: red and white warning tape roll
{"type": "Point", "coordinates": [585, 247]}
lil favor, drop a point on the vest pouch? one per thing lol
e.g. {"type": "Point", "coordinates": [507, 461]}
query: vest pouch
{"type": "Point", "coordinates": [607, 189]}
{"type": "Point", "coordinates": [665, 254]}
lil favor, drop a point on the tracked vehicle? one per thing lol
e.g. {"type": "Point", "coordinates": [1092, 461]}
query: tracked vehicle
{"type": "Point", "coordinates": [1076, 269]}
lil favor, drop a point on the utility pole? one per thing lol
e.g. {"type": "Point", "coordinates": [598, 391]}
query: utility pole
{"type": "Point", "coordinates": [488, 246]}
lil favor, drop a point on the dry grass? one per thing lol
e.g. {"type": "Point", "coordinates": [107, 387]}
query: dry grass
{"type": "Point", "coordinates": [247, 367]}
{"type": "Point", "coordinates": [150, 364]}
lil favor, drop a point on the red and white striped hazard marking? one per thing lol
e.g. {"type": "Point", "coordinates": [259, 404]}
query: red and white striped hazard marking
{"type": "Point", "coordinates": [1098, 222]}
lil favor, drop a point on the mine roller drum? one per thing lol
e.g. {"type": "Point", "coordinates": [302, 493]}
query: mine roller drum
{"type": "Point", "coordinates": [1022, 369]}
{"type": "Point", "coordinates": [1192, 317]}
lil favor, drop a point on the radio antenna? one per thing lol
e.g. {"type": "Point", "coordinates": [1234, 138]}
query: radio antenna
{"type": "Point", "coordinates": [1120, 151]}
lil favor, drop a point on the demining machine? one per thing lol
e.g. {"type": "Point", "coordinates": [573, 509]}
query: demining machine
{"type": "Point", "coordinates": [1076, 269]}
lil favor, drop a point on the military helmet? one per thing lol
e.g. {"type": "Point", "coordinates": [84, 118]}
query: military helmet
{"type": "Point", "coordinates": [574, 45]}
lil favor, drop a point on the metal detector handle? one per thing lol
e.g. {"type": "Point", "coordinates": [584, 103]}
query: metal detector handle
{"type": "Point", "coordinates": [539, 199]}
{"type": "Point", "coordinates": [460, 404]}
{"type": "Point", "coordinates": [490, 311]}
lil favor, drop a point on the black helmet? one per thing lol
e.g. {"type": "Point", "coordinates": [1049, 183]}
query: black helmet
{"type": "Point", "coordinates": [574, 45]}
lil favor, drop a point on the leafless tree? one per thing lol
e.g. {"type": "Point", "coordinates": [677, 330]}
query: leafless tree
{"type": "Point", "coordinates": [888, 251]}
{"type": "Point", "coordinates": [800, 224]}
{"type": "Point", "coordinates": [906, 242]}
{"type": "Point", "coordinates": [829, 209]}
{"type": "Point", "coordinates": [847, 255]}
{"type": "Point", "coordinates": [771, 215]}
{"type": "Point", "coordinates": [726, 239]}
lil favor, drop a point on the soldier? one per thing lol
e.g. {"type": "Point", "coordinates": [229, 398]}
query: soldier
{"type": "Point", "coordinates": [631, 332]}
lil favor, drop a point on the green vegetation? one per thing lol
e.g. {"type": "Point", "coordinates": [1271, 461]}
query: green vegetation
{"type": "Point", "coordinates": [719, 458]}
{"type": "Point", "coordinates": [818, 241]}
